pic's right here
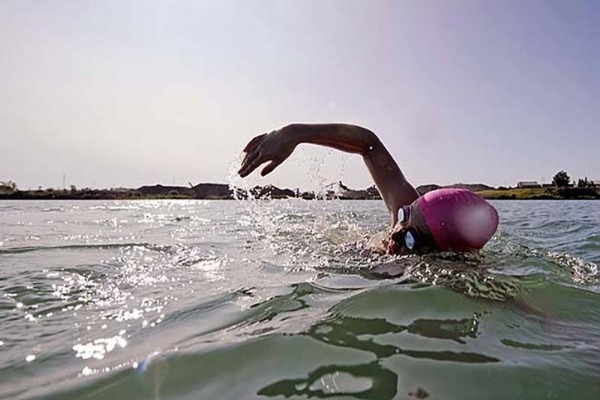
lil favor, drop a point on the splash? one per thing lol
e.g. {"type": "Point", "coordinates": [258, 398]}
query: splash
{"type": "Point", "coordinates": [582, 272]}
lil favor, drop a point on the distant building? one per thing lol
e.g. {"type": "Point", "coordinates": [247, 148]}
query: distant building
{"type": "Point", "coordinates": [595, 183]}
{"type": "Point", "coordinates": [528, 184]}
{"type": "Point", "coordinates": [338, 190]}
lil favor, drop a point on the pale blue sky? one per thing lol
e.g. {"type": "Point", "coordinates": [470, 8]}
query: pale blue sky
{"type": "Point", "coordinates": [125, 93]}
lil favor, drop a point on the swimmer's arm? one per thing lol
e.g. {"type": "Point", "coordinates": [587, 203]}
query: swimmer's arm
{"type": "Point", "coordinates": [276, 146]}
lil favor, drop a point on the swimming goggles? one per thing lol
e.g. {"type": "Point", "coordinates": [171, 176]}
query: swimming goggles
{"type": "Point", "coordinates": [415, 241]}
{"type": "Point", "coordinates": [404, 214]}
{"type": "Point", "coordinates": [408, 238]}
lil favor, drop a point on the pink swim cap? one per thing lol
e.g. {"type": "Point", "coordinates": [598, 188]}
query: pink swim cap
{"type": "Point", "coordinates": [458, 219]}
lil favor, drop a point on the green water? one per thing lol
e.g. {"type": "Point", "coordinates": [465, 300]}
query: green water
{"type": "Point", "coordinates": [284, 299]}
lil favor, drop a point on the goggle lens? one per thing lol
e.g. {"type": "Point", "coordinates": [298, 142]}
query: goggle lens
{"type": "Point", "coordinates": [409, 240]}
{"type": "Point", "coordinates": [403, 214]}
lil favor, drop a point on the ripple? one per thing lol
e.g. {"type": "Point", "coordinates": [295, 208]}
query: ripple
{"type": "Point", "coordinates": [532, 346]}
{"type": "Point", "coordinates": [188, 299]}
{"type": "Point", "coordinates": [18, 250]}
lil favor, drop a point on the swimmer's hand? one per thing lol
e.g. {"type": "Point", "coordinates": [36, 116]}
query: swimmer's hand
{"type": "Point", "coordinates": [278, 145]}
{"type": "Point", "coordinates": [274, 147]}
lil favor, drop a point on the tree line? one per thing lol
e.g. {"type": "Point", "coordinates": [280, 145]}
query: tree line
{"type": "Point", "coordinates": [562, 179]}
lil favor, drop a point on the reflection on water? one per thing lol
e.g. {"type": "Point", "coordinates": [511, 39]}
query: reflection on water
{"type": "Point", "coordinates": [228, 300]}
{"type": "Point", "coordinates": [372, 380]}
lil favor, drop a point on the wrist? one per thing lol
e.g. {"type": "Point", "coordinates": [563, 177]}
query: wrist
{"type": "Point", "coordinates": [292, 134]}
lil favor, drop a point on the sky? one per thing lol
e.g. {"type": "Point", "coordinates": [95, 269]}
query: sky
{"type": "Point", "coordinates": [127, 93]}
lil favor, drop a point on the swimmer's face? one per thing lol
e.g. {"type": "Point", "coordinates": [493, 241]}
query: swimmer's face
{"type": "Point", "coordinates": [413, 224]}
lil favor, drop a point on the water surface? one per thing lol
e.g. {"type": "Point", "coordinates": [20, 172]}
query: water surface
{"type": "Point", "coordinates": [286, 299]}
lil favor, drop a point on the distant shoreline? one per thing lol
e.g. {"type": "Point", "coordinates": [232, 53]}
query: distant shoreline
{"type": "Point", "coordinates": [544, 193]}
{"type": "Point", "coordinates": [215, 191]}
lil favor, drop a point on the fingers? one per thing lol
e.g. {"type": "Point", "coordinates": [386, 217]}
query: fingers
{"type": "Point", "coordinates": [248, 157]}
{"type": "Point", "coordinates": [256, 154]}
{"type": "Point", "coordinates": [244, 172]}
{"type": "Point", "coordinates": [252, 157]}
{"type": "Point", "coordinates": [270, 167]}
{"type": "Point", "coordinates": [250, 163]}
{"type": "Point", "coordinates": [254, 142]}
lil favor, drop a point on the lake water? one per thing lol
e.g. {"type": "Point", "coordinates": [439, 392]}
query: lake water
{"type": "Point", "coordinates": [284, 299]}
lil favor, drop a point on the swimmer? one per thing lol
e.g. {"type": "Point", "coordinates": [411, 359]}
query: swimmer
{"type": "Point", "coordinates": [441, 220]}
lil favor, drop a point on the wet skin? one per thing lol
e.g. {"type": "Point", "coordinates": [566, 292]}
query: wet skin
{"type": "Point", "coordinates": [275, 147]}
